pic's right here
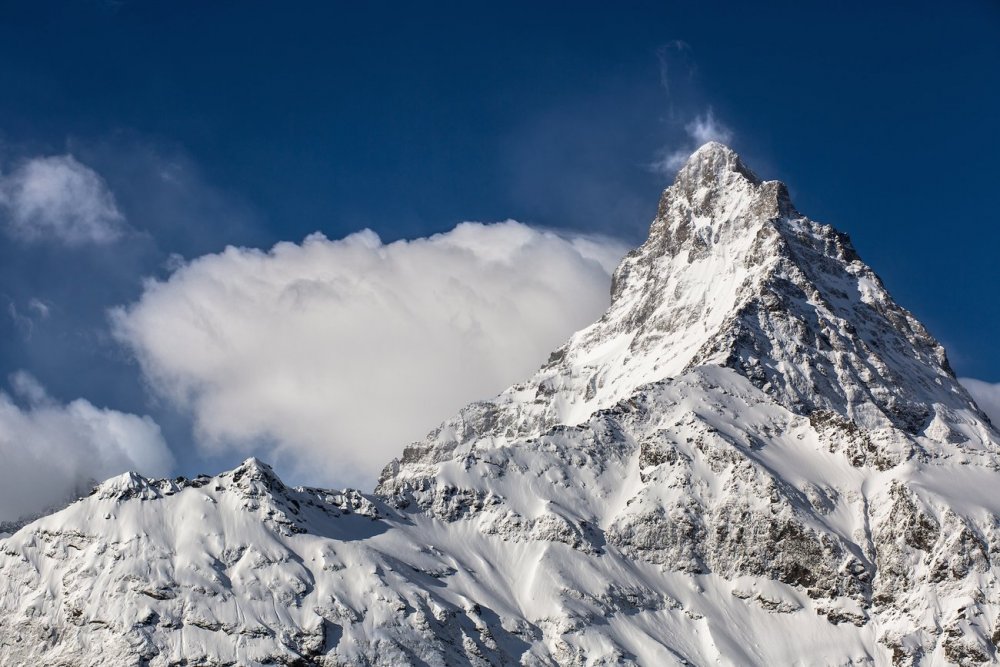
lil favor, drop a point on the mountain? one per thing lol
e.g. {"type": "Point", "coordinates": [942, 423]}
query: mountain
{"type": "Point", "coordinates": [754, 457]}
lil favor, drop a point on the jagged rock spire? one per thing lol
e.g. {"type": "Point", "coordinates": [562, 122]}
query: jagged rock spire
{"type": "Point", "coordinates": [733, 275]}
{"type": "Point", "coordinates": [712, 163]}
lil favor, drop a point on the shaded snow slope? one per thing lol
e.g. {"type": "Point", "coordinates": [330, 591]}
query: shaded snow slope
{"type": "Point", "coordinates": [754, 458]}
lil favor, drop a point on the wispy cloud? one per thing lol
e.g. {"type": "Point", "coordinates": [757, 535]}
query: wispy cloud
{"type": "Point", "coordinates": [58, 199]}
{"type": "Point", "coordinates": [700, 130]}
{"type": "Point", "coordinates": [686, 108]}
{"type": "Point", "coordinates": [666, 57]}
{"type": "Point", "coordinates": [330, 356]}
{"type": "Point", "coordinates": [25, 319]}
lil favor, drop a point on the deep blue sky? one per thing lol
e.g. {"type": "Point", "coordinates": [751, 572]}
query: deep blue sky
{"type": "Point", "coordinates": [289, 118]}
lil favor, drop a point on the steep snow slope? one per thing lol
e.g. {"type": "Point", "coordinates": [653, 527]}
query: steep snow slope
{"type": "Point", "coordinates": [755, 457]}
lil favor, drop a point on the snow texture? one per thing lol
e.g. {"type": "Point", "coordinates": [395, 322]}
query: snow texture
{"type": "Point", "coordinates": [756, 457]}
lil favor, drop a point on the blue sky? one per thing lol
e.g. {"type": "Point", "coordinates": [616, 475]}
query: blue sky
{"type": "Point", "coordinates": [251, 123]}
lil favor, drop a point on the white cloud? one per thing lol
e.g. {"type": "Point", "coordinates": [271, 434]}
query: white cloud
{"type": "Point", "coordinates": [52, 452]}
{"type": "Point", "coordinates": [39, 307]}
{"type": "Point", "coordinates": [36, 311]}
{"type": "Point", "coordinates": [678, 46]}
{"type": "Point", "coordinates": [330, 356]}
{"type": "Point", "coordinates": [59, 199]}
{"type": "Point", "coordinates": [700, 130]}
{"type": "Point", "coordinates": [986, 395]}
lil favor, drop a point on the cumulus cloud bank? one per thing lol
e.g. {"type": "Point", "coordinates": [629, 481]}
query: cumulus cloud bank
{"type": "Point", "coordinates": [330, 356]}
{"type": "Point", "coordinates": [700, 130]}
{"type": "Point", "coordinates": [987, 397]}
{"type": "Point", "coordinates": [52, 452]}
{"type": "Point", "coordinates": [59, 199]}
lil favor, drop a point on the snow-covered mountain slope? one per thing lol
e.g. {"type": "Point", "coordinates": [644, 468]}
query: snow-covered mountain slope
{"type": "Point", "coordinates": [732, 275]}
{"type": "Point", "coordinates": [755, 457]}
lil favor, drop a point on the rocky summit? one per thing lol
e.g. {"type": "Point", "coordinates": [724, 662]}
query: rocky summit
{"type": "Point", "coordinates": [755, 457]}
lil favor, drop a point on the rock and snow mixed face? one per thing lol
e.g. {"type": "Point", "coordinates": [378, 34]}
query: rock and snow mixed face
{"type": "Point", "coordinates": [733, 275]}
{"type": "Point", "coordinates": [754, 457]}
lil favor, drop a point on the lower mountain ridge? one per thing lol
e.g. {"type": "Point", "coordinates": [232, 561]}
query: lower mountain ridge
{"type": "Point", "coordinates": [754, 458]}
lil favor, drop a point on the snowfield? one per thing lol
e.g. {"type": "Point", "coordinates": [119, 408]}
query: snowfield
{"type": "Point", "coordinates": [756, 457]}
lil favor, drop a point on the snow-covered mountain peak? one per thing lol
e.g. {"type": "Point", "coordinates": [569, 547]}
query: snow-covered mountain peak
{"type": "Point", "coordinates": [255, 476]}
{"type": "Point", "coordinates": [714, 162]}
{"type": "Point", "coordinates": [754, 457]}
{"type": "Point", "coordinates": [733, 275]}
{"type": "Point", "coordinates": [133, 486]}
{"type": "Point", "coordinates": [714, 183]}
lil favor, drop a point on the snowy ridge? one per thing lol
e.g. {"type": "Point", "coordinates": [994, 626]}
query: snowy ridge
{"type": "Point", "coordinates": [755, 457]}
{"type": "Point", "coordinates": [732, 275]}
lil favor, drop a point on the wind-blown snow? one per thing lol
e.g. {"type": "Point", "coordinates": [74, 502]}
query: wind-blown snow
{"type": "Point", "coordinates": [987, 395]}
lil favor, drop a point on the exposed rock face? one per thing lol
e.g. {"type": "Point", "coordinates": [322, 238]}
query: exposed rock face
{"type": "Point", "coordinates": [755, 457]}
